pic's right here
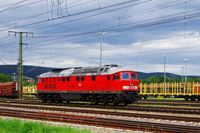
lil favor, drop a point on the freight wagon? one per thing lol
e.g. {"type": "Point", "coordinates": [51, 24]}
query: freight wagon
{"type": "Point", "coordinates": [8, 89]}
{"type": "Point", "coordinates": [189, 90]}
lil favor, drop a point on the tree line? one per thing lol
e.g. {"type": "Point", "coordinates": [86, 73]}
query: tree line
{"type": "Point", "coordinates": [8, 78]}
{"type": "Point", "coordinates": [5, 78]}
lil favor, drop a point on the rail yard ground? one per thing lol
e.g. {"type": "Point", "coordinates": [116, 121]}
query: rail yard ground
{"type": "Point", "coordinates": [130, 118]}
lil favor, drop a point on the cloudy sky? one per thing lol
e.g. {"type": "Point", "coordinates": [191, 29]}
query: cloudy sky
{"type": "Point", "coordinates": [136, 34]}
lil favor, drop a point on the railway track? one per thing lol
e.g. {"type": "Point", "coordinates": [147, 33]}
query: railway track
{"type": "Point", "coordinates": [177, 101]}
{"type": "Point", "coordinates": [39, 114]}
{"type": "Point", "coordinates": [171, 103]}
{"type": "Point", "coordinates": [159, 102]}
{"type": "Point", "coordinates": [133, 108]}
{"type": "Point", "coordinates": [103, 112]}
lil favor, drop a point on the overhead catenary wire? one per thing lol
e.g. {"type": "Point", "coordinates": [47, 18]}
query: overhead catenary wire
{"type": "Point", "coordinates": [50, 26]}
{"type": "Point", "coordinates": [77, 34]}
{"type": "Point", "coordinates": [141, 12]}
{"type": "Point", "coordinates": [107, 7]}
{"type": "Point", "coordinates": [12, 5]}
{"type": "Point", "coordinates": [133, 25]}
{"type": "Point", "coordinates": [165, 5]}
{"type": "Point", "coordinates": [79, 13]}
{"type": "Point", "coordinates": [152, 9]}
{"type": "Point", "coordinates": [39, 14]}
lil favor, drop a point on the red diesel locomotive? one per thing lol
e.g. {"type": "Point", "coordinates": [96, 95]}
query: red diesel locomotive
{"type": "Point", "coordinates": [107, 84]}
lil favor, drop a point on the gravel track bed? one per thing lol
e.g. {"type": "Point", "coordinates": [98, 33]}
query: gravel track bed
{"type": "Point", "coordinates": [113, 110]}
{"type": "Point", "coordinates": [113, 117]}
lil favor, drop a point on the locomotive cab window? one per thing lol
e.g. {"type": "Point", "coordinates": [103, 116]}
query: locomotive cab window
{"type": "Point", "coordinates": [133, 76]}
{"type": "Point", "coordinates": [101, 70]}
{"type": "Point", "coordinates": [68, 79]}
{"type": "Point", "coordinates": [108, 77]}
{"type": "Point", "coordinates": [63, 79]}
{"type": "Point", "coordinates": [82, 78]}
{"type": "Point", "coordinates": [116, 77]}
{"type": "Point", "coordinates": [106, 70]}
{"type": "Point", "coordinates": [77, 78]}
{"type": "Point", "coordinates": [125, 76]}
{"type": "Point", "coordinates": [93, 78]}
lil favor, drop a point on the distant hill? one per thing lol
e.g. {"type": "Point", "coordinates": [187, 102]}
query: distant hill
{"type": "Point", "coordinates": [143, 75]}
{"type": "Point", "coordinates": [34, 71]}
{"type": "Point", "coordinates": [29, 71]}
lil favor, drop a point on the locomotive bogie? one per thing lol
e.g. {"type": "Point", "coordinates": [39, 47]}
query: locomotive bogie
{"type": "Point", "coordinates": [96, 98]}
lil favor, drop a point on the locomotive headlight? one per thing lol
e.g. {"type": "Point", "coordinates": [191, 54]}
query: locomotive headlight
{"type": "Point", "coordinates": [126, 87]}
{"type": "Point", "coordinates": [130, 87]}
{"type": "Point", "coordinates": [134, 87]}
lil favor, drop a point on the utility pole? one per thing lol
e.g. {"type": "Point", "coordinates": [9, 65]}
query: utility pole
{"type": "Point", "coordinates": [164, 72]}
{"type": "Point", "coordinates": [20, 61]}
{"type": "Point", "coordinates": [182, 73]}
{"type": "Point", "coordinates": [101, 47]}
{"type": "Point", "coordinates": [185, 60]}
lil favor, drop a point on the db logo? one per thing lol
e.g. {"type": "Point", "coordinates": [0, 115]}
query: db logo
{"type": "Point", "coordinates": [131, 83]}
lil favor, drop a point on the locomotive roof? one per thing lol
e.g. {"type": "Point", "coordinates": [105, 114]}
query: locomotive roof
{"type": "Point", "coordinates": [61, 69]}
{"type": "Point", "coordinates": [107, 69]}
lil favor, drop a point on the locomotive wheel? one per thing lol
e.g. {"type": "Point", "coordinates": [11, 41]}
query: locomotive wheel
{"type": "Point", "coordinates": [125, 103]}
{"type": "Point", "coordinates": [193, 98]}
{"type": "Point", "coordinates": [96, 102]}
{"type": "Point", "coordinates": [59, 99]}
{"type": "Point", "coordinates": [186, 98]}
{"type": "Point", "coordinates": [52, 98]}
{"type": "Point", "coordinates": [44, 99]}
{"type": "Point", "coordinates": [105, 103]}
{"type": "Point", "coordinates": [115, 101]}
{"type": "Point", "coordinates": [105, 100]}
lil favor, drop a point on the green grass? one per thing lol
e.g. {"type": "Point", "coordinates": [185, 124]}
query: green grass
{"type": "Point", "coordinates": [18, 126]}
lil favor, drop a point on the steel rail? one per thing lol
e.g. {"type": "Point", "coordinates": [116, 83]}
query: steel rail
{"type": "Point", "coordinates": [104, 112]}
{"type": "Point", "coordinates": [136, 107]}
